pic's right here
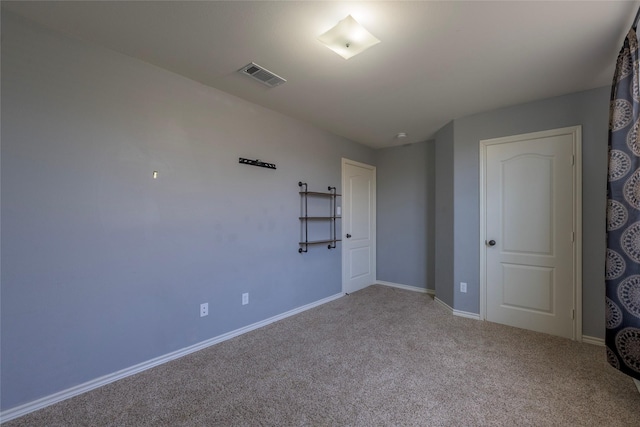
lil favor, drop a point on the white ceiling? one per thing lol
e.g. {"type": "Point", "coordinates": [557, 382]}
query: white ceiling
{"type": "Point", "coordinates": [437, 60]}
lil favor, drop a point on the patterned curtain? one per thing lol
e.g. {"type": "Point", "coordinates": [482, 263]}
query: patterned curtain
{"type": "Point", "coordinates": [622, 273]}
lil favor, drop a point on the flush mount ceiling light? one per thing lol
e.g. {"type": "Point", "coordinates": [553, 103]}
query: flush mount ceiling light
{"type": "Point", "coordinates": [348, 38]}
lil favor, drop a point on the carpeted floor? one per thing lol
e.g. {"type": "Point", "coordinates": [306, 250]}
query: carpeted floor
{"type": "Point", "coordinates": [379, 357]}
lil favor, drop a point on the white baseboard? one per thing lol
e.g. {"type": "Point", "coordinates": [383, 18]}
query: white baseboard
{"type": "Point", "coordinates": [593, 340]}
{"type": "Point", "coordinates": [467, 314]}
{"type": "Point", "coordinates": [459, 313]}
{"type": "Point", "coordinates": [406, 287]}
{"type": "Point", "coordinates": [26, 408]}
{"type": "Point", "coordinates": [443, 304]}
{"type": "Point", "coordinates": [431, 292]}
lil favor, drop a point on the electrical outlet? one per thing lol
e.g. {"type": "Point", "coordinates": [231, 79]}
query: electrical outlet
{"type": "Point", "coordinates": [204, 309]}
{"type": "Point", "coordinates": [245, 298]}
{"type": "Point", "coordinates": [463, 287]}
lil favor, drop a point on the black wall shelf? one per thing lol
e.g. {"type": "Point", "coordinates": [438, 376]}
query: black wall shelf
{"type": "Point", "coordinates": [305, 218]}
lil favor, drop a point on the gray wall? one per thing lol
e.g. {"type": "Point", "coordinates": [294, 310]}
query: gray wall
{"type": "Point", "coordinates": [104, 267]}
{"type": "Point", "coordinates": [589, 109]}
{"type": "Point", "coordinates": [405, 218]}
{"type": "Point", "coordinates": [444, 225]}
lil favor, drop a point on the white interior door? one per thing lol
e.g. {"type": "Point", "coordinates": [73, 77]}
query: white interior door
{"type": "Point", "coordinates": [358, 225]}
{"type": "Point", "coordinates": [531, 193]}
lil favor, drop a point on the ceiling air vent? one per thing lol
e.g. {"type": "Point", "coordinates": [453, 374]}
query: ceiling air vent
{"type": "Point", "coordinates": [262, 75]}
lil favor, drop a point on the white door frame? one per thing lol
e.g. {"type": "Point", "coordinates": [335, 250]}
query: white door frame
{"type": "Point", "coordinates": [345, 212]}
{"type": "Point", "coordinates": [576, 133]}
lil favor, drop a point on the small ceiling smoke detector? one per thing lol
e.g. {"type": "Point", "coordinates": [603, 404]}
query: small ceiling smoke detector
{"type": "Point", "coordinates": [262, 75]}
{"type": "Point", "coordinates": [348, 38]}
{"type": "Point", "coordinates": [401, 135]}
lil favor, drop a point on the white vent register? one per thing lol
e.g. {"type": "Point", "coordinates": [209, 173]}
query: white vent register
{"type": "Point", "coordinates": [262, 75]}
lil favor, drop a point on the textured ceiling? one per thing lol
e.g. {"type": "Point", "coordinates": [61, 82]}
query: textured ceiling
{"type": "Point", "coordinates": [437, 60]}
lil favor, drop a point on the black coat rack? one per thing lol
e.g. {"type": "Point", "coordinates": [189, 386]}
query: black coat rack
{"type": "Point", "coordinates": [257, 162]}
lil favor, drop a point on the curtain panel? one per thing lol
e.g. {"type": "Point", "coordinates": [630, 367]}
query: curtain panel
{"type": "Point", "coordinates": [622, 271]}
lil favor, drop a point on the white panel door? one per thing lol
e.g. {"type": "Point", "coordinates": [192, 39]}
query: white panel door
{"type": "Point", "coordinates": [529, 231]}
{"type": "Point", "coordinates": [358, 225]}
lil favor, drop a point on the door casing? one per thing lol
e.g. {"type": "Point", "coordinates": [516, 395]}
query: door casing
{"type": "Point", "coordinates": [346, 212]}
{"type": "Point", "coordinates": [576, 132]}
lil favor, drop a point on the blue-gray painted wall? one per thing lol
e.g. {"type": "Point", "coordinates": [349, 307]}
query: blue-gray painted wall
{"type": "Point", "coordinates": [444, 214]}
{"type": "Point", "coordinates": [405, 219]}
{"type": "Point", "coordinates": [104, 267]}
{"type": "Point", "coordinates": [589, 109]}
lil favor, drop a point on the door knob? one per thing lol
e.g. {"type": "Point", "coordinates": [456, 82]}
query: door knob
{"type": "Point", "coordinates": [491, 243]}
{"type": "Point", "coordinates": [348, 236]}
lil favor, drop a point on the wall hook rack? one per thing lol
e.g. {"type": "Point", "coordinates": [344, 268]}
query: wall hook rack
{"type": "Point", "coordinates": [257, 162]}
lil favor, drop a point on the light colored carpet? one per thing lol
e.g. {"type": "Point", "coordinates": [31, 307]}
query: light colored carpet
{"type": "Point", "coordinates": [379, 357]}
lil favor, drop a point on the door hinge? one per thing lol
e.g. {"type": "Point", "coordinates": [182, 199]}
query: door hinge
{"type": "Point", "coordinates": [573, 160]}
{"type": "Point", "coordinates": [573, 236]}
{"type": "Point", "coordinates": [573, 314]}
